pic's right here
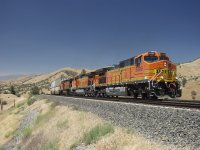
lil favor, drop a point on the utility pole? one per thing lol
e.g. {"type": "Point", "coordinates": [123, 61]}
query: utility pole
{"type": "Point", "coordinates": [1, 104]}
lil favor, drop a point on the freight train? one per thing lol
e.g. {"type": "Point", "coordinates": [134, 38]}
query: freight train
{"type": "Point", "coordinates": [150, 75]}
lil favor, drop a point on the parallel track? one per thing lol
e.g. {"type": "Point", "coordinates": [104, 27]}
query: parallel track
{"type": "Point", "coordinates": [170, 103]}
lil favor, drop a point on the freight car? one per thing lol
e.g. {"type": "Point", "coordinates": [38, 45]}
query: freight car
{"type": "Point", "coordinates": [148, 75]}
{"type": "Point", "coordinates": [55, 87]}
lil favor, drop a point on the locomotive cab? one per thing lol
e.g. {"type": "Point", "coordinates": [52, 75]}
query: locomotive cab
{"type": "Point", "coordinates": [161, 73]}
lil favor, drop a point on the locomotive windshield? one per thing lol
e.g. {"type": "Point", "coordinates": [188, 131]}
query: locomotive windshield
{"type": "Point", "coordinates": [164, 58]}
{"type": "Point", "coordinates": [150, 58]}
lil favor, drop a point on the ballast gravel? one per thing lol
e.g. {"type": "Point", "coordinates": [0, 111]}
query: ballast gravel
{"type": "Point", "coordinates": [26, 122]}
{"type": "Point", "coordinates": [176, 126]}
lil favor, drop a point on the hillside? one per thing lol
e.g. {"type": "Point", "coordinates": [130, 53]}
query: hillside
{"type": "Point", "coordinates": [64, 72]}
{"type": "Point", "coordinates": [24, 83]}
{"type": "Point", "coordinates": [191, 72]}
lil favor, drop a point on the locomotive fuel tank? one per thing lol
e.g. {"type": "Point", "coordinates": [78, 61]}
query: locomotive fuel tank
{"type": "Point", "coordinates": [116, 91]}
{"type": "Point", "coordinates": [80, 91]}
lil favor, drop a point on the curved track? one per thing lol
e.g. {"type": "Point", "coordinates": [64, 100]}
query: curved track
{"type": "Point", "coordinates": [171, 103]}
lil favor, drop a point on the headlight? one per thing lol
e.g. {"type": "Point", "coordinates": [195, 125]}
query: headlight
{"type": "Point", "coordinates": [165, 64]}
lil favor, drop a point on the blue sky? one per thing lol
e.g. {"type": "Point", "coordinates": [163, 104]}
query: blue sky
{"type": "Point", "coordinates": [38, 36]}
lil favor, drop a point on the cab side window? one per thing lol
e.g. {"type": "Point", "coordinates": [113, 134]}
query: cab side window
{"type": "Point", "coordinates": [138, 61]}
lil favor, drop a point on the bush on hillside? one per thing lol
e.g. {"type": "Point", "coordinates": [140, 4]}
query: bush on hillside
{"type": "Point", "coordinates": [18, 95]}
{"type": "Point", "coordinates": [35, 90]}
{"type": "Point", "coordinates": [31, 100]}
{"type": "Point", "coordinates": [6, 92]}
{"type": "Point", "coordinates": [95, 133]}
{"type": "Point", "coordinates": [193, 94]}
{"type": "Point", "coordinates": [83, 72]}
{"type": "Point", "coordinates": [184, 81]}
{"type": "Point", "coordinates": [4, 103]}
{"type": "Point", "coordinates": [12, 90]}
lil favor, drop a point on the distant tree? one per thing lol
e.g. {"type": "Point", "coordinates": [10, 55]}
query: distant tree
{"type": "Point", "coordinates": [193, 94]}
{"type": "Point", "coordinates": [184, 81]}
{"type": "Point", "coordinates": [12, 90]}
{"type": "Point", "coordinates": [83, 72]}
{"type": "Point", "coordinates": [6, 92]}
{"type": "Point", "coordinates": [35, 90]}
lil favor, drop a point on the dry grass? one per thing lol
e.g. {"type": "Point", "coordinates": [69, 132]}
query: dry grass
{"type": "Point", "coordinates": [10, 117]}
{"type": "Point", "coordinates": [71, 127]}
{"type": "Point", "coordinates": [9, 98]}
{"type": "Point", "coordinates": [60, 127]}
{"type": "Point", "coordinates": [122, 139]}
{"type": "Point", "coordinates": [53, 145]}
{"type": "Point", "coordinates": [62, 123]}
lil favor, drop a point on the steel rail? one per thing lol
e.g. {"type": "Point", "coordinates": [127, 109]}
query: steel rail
{"type": "Point", "coordinates": [170, 103]}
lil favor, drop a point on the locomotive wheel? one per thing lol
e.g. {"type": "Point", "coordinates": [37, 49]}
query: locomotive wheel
{"type": "Point", "coordinates": [143, 96]}
{"type": "Point", "coordinates": [146, 96]}
{"type": "Point", "coordinates": [135, 95]}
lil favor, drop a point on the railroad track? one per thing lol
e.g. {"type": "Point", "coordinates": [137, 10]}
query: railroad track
{"type": "Point", "coordinates": [170, 103]}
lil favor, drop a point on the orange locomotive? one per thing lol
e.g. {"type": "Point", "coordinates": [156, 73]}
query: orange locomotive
{"type": "Point", "coordinates": [149, 75]}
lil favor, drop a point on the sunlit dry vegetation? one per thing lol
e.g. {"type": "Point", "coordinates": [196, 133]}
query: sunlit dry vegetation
{"type": "Point", "coordinates": [61, 127]}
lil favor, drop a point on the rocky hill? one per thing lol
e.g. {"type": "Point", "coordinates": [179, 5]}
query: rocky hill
{"type": "Point", "coordinates": [190, 72]}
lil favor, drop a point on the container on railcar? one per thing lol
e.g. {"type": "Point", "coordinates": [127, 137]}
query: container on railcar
{"type": "Point", "coordinates": [55, 87]}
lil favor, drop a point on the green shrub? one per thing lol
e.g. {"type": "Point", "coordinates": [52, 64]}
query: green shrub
{"type": "Point", "coordinates": [31, 100]}
{"type": "Point", "coordinates": [74, 145]}
{"type": "Point", "coordinates": [95, 133]}
{"type": "Point", "coordinates": [4, 103]}
{"type": "Point", "coordinates": [20, 104]}
{"type": "Point", "coordinates": [6, 92]}
{"type": "Point", "coordinates": [193, 94]}
{"type": "Point", "coordinates": [18, 95]}
{"type": "Point", "coordinates": [50, 146]}
{"type": "Point", "coordinates": [62, 124]}
{"type": "Point", "coordinates": [35, 90]}
{"type": "Point", "coordinates": [83, 72]}
{"type": "Point", "coordinates": [27, 132]}
{"type": "Point", "coordinates": [184, 81]}
{"type": "Point", "coordinates": [54, 104]}
{"type": "Point", "coordinates": [7, 135]}
{"type": "Point", "coordinates": [12, 90]}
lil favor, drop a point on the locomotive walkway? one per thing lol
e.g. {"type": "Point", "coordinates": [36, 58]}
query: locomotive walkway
{"type": "Point", "coordinates": [169, 125]}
